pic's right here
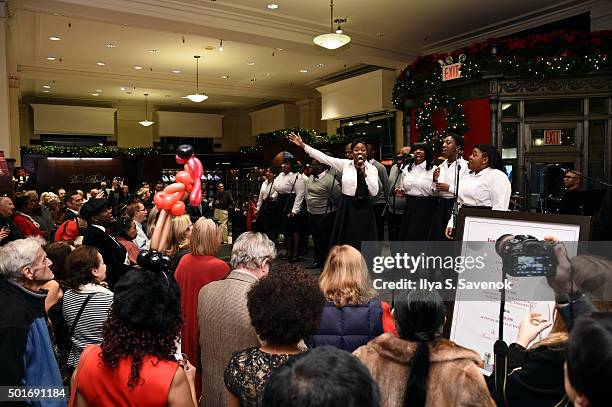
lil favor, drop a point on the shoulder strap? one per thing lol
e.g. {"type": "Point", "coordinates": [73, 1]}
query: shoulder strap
{"type": "Point", "coordinates": [78, 316]}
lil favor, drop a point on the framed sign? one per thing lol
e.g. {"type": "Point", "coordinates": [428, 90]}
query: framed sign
{"type": "Point", "coordinates": [475, 323]}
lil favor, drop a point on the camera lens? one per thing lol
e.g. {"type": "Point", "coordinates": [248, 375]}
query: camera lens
{"type": "Point", "coordinates": [500, 244]}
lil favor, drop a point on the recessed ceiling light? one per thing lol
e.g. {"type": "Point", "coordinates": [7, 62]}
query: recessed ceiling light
{"type": "Point", "coordinates": [303, 70]}
{"type": "Point", "coordinates": [46, 91]}
{"type": "Point", "coordinates": [50, 58]}
{"type": "Point", "coordinates": [266, 75]}
{"type": "Point", "coordinates": [100, 63]}
{"type": "Point", "coordinates": [224, 76]}
{"type": "Point", "coordinates": [320, 65]}
{"type": "Point", "coordinates": [176, 71]}
{"type": "Point", "coordinates": [122, 88]}
{"type": "Point", "coordinates": [280, 49]}
{"type": "Point", "coordinates": [167, 96]}
{"type": "Point", "coordinates": [152, 51]}
{"type": "Point", "coordinates": [379, 126]}
{"type": "Point", "coordinates": [272, 6]}
{"type": "Point", "coordinates": [137, 67]}
{"type": "Point", "coordinates": [251, 63]}
{"type": "Point", "coordinates": [46, 86]}
{"type": "Point", "coordinates": [99, 90]}
{"type": "Point", "coordinates": [110, 45]}
{"type": "Point", "coordinates": [54, 38]}
{"type": "Point", "coordinates": [56, 14]}
{"type": "Point", "coordinates": [95, 94]}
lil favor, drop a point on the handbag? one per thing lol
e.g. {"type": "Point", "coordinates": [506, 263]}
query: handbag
{"type": "Point", "coordinates": [65, 369]}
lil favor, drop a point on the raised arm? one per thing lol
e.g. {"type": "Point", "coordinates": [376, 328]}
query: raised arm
{"type": "Point", "coordinates": [320, 156]}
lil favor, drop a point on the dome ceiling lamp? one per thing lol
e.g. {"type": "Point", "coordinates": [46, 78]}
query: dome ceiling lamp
{"type": "Point", "coordinates": [197, 97]}
{"type": "Point", "coordinates": [146, 122]}
{"type": "Point", "coordinates": [333, 39]}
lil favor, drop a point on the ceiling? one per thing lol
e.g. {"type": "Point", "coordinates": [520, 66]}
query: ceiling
{"type": "Point", "coordinates": [163, 35]}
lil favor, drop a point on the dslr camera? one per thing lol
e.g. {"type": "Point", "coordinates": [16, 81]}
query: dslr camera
{"type": "Point", "coordinates": [526, 256]}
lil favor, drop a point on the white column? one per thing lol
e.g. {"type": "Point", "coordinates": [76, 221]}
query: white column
{"type": "Point", "coordinates": [5, 118]}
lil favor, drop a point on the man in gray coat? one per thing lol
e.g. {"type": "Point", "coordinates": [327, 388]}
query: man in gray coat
{"type": "Point", "coordinates": [223, 316]}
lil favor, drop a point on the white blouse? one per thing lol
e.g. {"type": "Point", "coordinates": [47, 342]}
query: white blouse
{"type": "Point", "coordinates": [284, 184]}
{"type": "Point", "coordinates": [348, 170]}
{"type": "Point", "coordinates": [447, 176]}
{"type": "Point", "coordinates": [490, 187]}
{"type": "Point", "coordinates": [264, 191]}
{"type": "Point", "coordinates": [418, 181]}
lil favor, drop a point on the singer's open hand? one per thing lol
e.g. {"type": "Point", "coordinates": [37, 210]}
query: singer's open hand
{"type": "Point", "coordinates": [295, 139]}
{"type": "Point", "coordinates": [441, 186]}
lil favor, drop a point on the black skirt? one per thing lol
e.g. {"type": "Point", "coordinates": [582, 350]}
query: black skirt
{"type": "Point", "coordinates": [354, 223]}
{"type": "Point", "coordinates": [417, 217]}
{"type": "Point", "coordinates": [284, 223]}
{"type": "Point", "coordinates": [267, 217]}
{"type": "Point", "coordinates": [440, 219]}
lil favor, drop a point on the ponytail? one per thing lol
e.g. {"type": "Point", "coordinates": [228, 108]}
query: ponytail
{"type": "Point", "coordinates": [415, 394]}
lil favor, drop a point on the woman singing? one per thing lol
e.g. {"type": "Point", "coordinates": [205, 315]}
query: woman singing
{"type": "Point", "coordinates": [486, 186]}
{"type": "Point", "coordinates": [445, 178]}
{"type": "Point", "coordinates": [419, 189]}
{"type": "Point", "coordinates": [355, 221]}
{"type": "Point", "coordinates": [290, 187]}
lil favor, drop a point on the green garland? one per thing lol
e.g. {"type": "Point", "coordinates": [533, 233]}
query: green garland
{"type": "Point", "coordinates": [90, 151]}
{"type": "Point", "coordinates": [455, 117]}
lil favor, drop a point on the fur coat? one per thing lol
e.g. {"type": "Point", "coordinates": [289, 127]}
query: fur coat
{"type": "Point", "coordinates": [454, 376]}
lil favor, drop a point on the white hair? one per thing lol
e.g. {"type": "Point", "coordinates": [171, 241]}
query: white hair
{"type": "Point", "coordinates": [16, 255]}
{"type": "Point", "coordinates": [251, 249]}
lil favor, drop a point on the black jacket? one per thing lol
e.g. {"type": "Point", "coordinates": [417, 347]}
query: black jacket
{"type": "Point", "coordinates": [112, 252]}
{"type": "Point", "coordinates": [14, 233]}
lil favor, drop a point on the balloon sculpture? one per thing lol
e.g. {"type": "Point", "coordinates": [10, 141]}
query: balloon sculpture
{"type": "Point", "coordinates": [169, 202]}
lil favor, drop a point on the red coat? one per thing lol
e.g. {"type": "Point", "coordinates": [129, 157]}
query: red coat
{"type": "Point", "coordinates": [25, 226]}
{"type": "Point", "coordinates": [193, 273]}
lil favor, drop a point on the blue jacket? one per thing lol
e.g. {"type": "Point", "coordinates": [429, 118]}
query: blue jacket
{"type": "Point", "coordinates": [348, 327]}
{"type": "Point", "coordinates": [25, 345]}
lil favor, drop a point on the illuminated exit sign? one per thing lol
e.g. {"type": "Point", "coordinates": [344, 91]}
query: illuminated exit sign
{"type": "Point", "coordinates": [552, 137]}
{"type": "Point", "coordinates": [452, 71]}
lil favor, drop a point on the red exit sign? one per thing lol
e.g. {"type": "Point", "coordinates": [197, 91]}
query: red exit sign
{"type": "Point", "coordinates": [552, 137]}
{"type": "Point", "coordinates": [452, 71]}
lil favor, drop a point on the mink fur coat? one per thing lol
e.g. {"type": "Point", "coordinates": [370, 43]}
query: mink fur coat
{"type": "Point", "coordinates": [454, 376]}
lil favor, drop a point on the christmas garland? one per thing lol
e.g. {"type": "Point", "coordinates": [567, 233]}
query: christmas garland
{"type": "Point", "coordinates": [455, 117]}
{"type": "Point", "coordinates": [90, 151]}
{"type": "Point", "coordinates": [545, 56]}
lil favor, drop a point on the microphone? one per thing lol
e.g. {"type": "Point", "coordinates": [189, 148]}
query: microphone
{"type": "Point", "coordinates": [360, 158]}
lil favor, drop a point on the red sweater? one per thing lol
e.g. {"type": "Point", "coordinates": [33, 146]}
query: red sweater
{"type": "Point", "coordinates": [25, 226]}
{"type": "Point", "coordinates": [193, 273]}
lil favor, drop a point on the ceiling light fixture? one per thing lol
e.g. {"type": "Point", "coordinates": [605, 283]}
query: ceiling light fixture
{"type": "Point", "coordinates": [137, 67]}
{"type": "Point", "coordinates": [350, 122]}
{"type": "Point", "coordinates": [153, 51]}
{"type": "Point", "coordinates": [109, 45]}
{"type": "Point", "coordinates": [176, 71]}
{"type": "Point", "coordinates": [54, 38]}
{"type": "Point", "coordinates": [95, 94]}
{"type": "Point", "coordinates": [50, 58]}
{"type": "Point", "coordinates": [224, 76]}
{"type": "Point", "coordinates": [251, 63]}
{"type": "Point", "coordinates": [303, 70]}
{"type": "Point", "coordinates": [331, 40]}
{"type": "Point", "coordinates": [220, 46]}
{"type": "Point", "coordinates": [197, 97]}
{"type": "Point", "coordinates": [272, 6]}
{"type": "Point", "coordinates": [367, 120]}
{"type": "Point", "coordinates": [122, 88]}
{"type": "Point", "coordinates": [100, 63]}
{"type": "Point", "coordinates": [46, 91]}
{"type": "Point", "coordinates": [46, 86]}
{"type": "Point", "coordinates": [146, 122]}
{"type": "Point", "coordinates": [99, 90]}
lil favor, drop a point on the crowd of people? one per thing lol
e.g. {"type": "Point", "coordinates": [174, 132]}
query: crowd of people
{"type": "Point", "coordinates": [84, 301]}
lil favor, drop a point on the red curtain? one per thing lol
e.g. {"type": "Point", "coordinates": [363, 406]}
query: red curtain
{"type": "Point", "coordinates": [477, 119]}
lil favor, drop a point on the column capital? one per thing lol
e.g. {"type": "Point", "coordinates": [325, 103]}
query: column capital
{"type": "Point", "coordinates": [14, 80]}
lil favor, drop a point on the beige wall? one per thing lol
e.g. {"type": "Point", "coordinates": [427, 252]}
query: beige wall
{"type": "Point", "coordinates": [309, 115]}
{"type": "Point", "coordinates": [131, 134]}
{"type": "Point", "coordinates": [236, 132]}
{"type": "Point", "coordinates": [278, 117]}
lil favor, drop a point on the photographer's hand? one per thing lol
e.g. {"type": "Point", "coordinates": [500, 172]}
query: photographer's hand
{"type": "Point", "coordinates": [561, 282]}
{"type": "Point", "coordinates": [530, 328]}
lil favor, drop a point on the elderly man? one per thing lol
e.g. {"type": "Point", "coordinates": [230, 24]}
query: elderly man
{"type": "Point", "coordinates": [8, 230]}
{"type": "Point", "coordinates": [225, 325]}
{"type": "Point", "coordinates": [25, 345]}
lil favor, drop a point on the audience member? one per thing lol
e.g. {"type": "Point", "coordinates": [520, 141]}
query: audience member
{"type": "Point", "coordinates": [125, 232]}
{"type": "Point", "coordinates": [222, 202]}
{"type": "Point", "coordinates": [135, 363]}
{"type": "Point", "coordinates": [73, 201]}
{"type": "Point", "coordinates": [41, 215]}
{"type": "Point", "coordinates": [194, 271]}
{"type": "Point", "coordinates": [225, 325]}
{"type": "Point", "coordinates": [71, 230]}
{"type": "Point", "coordinates": [322, 377]}
{"type": "Point", "coordinates": [352, 315]}
{"type": "Point", "coordinates": [421, 368]}
{"type": "Point", "coordinates": [284, 308]}
{"type": "Point", "coordinates": [87, 301]}
{"type": "Point", "coordinates": [151, 220]}
{"type": "Point", "coordinates": [138, 213]}
{"type": "Point", "coordinates": [24, 222]}
{"type": "Point", "coordinates": [178, 240]}
{"type": "Point", "coordinates": [8, 230]}
{"type": "Point", "coordinates": [25, 344]}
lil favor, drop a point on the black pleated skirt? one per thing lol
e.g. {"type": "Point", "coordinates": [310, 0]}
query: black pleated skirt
{"type": "Point", "coordinates": [284, 206]}
{"type": "Point", "coordinates": [355, 222]}
{"type": "Point", "coordinates": [267, 217]}
{"type": "Point", "coordinates": [440, 219]}
{"type": "Point", "coordinates": [417, 218]}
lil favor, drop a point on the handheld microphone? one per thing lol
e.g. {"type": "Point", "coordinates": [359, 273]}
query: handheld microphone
{"type": "Point", "coordinates": [360, 158]}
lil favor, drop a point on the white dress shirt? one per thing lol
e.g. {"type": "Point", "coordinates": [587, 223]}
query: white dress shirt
{"type": "Point", "coordinates": [418, 181]}
{"type": "Point", "coordinates": [348, 170]}
{"type": "Point", "coordinates": [266, 188]}
{"type": "Point", "coordinates": [447, 176]}
{"type": "Point", "coordinates": [284, 184]}
{"type": "Point", "coordinates": [490, 187]}
{"type": "Point", "coordinates": [141, 240]}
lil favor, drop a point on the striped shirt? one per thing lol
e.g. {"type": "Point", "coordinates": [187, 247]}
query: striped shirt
{"type": "Point", "coordinates": [89, 326]}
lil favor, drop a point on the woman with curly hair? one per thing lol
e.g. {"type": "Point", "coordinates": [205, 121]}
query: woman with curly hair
{"type": "Point", "coordinates": [136, 364]}
{"type": "Point", "coordinates": [284, 307]}
{"type": "Point", "coordinates": [352, 314]}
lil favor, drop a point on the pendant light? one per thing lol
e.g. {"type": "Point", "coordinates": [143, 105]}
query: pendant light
{"type": "Point", "coordinates": [332, 40]}
{"type": "Point", "coordinates": [146, 122]}
{"type": "Point", "coordinates": [197, 97]}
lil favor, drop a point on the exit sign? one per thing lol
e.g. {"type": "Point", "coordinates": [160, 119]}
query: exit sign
{"type": "Point", "coordinates": [552, 137]}
{"type": "Point", "coordinates": [452, 71]}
